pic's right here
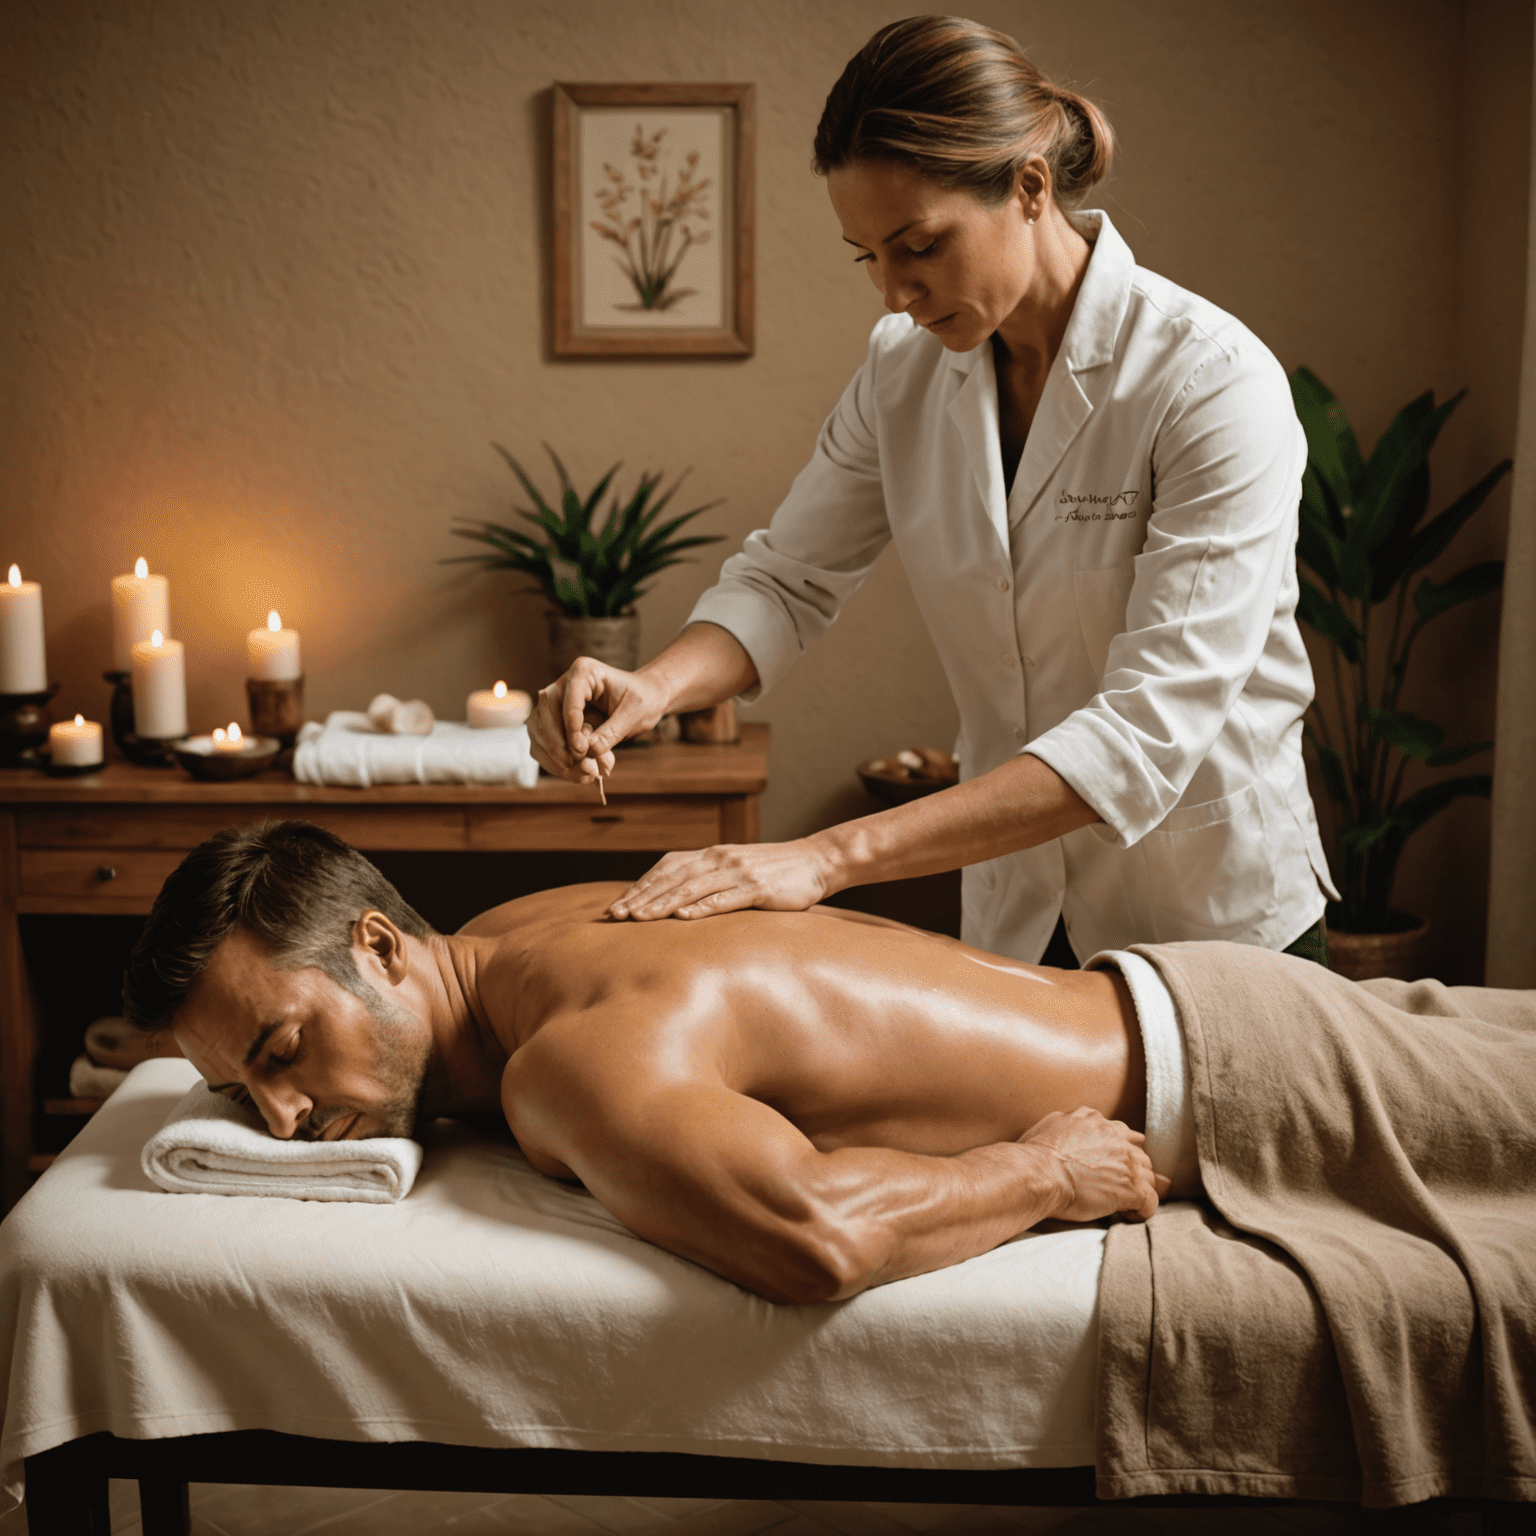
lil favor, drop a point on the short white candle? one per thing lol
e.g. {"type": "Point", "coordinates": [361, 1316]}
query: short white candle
{"type": "Point", "coordinates": [273, 652]}
{"type": "Point", "coordinates": [228, 741]}
{"type": "Point", "coordinates": [159, 688]}
{"type": "Point", "coordinates": [23, 666]}
{"type": "Point", "coordinates": [141, 604]}
{"type": "Point", "coordinates": [75, 743]}
{"type": "Point", "coordinates": [488, 708]}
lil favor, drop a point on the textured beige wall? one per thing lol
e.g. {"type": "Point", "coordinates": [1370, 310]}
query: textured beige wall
{"type": "Point", "coordinates": [274, 276]}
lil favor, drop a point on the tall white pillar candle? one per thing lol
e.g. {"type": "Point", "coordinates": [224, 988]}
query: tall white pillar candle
{"type": "Point", "coordinates": [273, 652]}
{"type": "Point", "coordinates": [141, 604]}
{"type": "Point", "coordinates": [23, 665]}
{"type": "Point", "coordinates": [159, 688]}
{"type": "Point", "coordinates": [76, 744]}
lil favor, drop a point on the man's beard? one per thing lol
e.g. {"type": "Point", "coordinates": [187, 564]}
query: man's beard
{"type": "Point", "coordinates": [407, 1068]}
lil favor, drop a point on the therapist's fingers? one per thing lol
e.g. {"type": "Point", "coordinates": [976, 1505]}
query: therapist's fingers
{"type": "Point", "coordinates": [559, 727]}
{"type": "Point", "coordinates": [786, 877]}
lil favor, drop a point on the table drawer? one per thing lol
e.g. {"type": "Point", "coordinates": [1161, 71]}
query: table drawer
{"type": "Point", "coordinates": [110, 880]}
{"type": "Point", "coordinates": [654, 823]}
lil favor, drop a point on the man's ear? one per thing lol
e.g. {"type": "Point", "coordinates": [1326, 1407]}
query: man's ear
{"type": "Point", "coordinates": [374, 933]}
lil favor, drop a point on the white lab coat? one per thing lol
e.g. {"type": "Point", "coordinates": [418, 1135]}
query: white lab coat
{"type": "Point", "coordinates": [1127, 614]}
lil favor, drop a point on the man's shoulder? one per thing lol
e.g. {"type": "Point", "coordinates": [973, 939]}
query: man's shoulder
{"type": "Point", "coordinates": [543, 909]}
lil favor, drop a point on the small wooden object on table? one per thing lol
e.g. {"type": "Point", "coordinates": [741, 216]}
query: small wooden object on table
{"type": "Point", "coordinates": [104, 843]}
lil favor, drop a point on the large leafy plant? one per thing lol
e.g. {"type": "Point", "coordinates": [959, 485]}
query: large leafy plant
{"type": "Point", "coordinates": [586, 571]}
{"type": "Point", "coordinates": [1363, 534]}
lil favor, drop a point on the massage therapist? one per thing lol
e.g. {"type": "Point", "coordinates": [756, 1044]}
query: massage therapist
{"type": "Point", "coordinates": [1091, 478]}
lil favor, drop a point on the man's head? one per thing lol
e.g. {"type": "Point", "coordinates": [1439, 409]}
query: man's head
{"type": "Point", "coordinates": [265, 953]}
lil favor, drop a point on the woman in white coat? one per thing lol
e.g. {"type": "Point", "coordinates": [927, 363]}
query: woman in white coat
{"type": "Point", "coordinates": [1091, 478]}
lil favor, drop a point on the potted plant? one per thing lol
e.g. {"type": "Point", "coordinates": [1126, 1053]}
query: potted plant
{"type": "Point", "coordinates": [591, 576]}
{"type": "Point", "coordinates": [1364, 536]}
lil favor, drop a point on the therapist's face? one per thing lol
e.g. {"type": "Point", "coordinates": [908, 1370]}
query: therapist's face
{"type": "Point", "coordinates": [318, 1062]}
{"type": "Point", "coordinates": [952, 263]}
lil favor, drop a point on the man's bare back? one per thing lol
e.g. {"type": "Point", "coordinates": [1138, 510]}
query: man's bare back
{"type": "Point", "coordinates": [693, 1074]}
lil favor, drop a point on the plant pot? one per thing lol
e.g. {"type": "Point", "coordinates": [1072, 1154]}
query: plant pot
{"type": "Point", "coordinates": [1363, 956]}
{"type": "Point", "coordinates": [614, 641]}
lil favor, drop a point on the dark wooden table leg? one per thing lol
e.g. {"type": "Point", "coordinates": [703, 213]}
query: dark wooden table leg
{"type": "Point", "coordinates": [163, 1507]}
{"type": "Point", "coordinates": [66, 1495]}
{"type": "Point", "coordinates": [18, 1039]}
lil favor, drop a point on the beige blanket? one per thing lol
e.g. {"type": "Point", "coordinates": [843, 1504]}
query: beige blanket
{"type": "Point", "coordinates": [1359, 1320]}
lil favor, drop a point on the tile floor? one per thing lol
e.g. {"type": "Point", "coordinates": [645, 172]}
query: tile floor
{"type": "Point", "coordinates": [243, 1510]}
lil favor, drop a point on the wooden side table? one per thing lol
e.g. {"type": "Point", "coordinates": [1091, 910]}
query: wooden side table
{"type": "Point", "coordinates": [104, 843]}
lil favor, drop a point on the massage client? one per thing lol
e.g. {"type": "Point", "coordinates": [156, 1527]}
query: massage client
{"type": "Point", "coordinates": [808, 1103]}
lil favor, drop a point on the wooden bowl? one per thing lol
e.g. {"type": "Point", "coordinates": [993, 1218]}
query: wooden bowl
{"type": "Point", "coordinates": [888, 780]}
{"type": "Point", "coordinates": [196, 755]}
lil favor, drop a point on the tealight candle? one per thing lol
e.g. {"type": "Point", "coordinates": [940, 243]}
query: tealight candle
{"type": "Point", "coordinates": [273, 652]}
{"type": "Point", "coordinates": [488, 708]}
{"type": "Point", "coordinates": [75, 743]}
{"type": "Point", "coordinates": [159, 688]}
{"type": "Point", "coordinates": [141, 604]}
{"type": "Point", "coordinates": [228, 741]}
{"type": "Point", "coordinates": [23, 665]}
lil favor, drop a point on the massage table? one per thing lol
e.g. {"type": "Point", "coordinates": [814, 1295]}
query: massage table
{"type": "Point", "coordinates": [498, 1331]}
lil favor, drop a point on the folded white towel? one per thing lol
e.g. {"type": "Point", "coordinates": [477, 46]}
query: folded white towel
{"type": "Point", "coordinates": [347, 750]}
{"type": "Point", "coordinates": [89, 1081]}
{"type": "Point", "coordinates": [209, 1145]}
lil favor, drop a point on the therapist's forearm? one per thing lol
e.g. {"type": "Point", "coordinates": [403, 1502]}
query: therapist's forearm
{"type": "Point", "coordinates": [704, 666]}
{"type": "Point", "coordinates": [1018, 805]}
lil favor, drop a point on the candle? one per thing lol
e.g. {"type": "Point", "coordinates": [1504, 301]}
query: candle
{"type": "Point", "coordinates": [273, 652]}
{"type": "Point", "coordinates": [75, 744]}
{"type": "Point", "coordinates": [488, 708]}
{"type": "Point", "coordinates": [228, 741]}
{"type": "Point", "coordinates": [159, 688]}
{"type": "Point", "coordinates": [141, 604]}
{"type": "Point", "coordinates": [23, 667]}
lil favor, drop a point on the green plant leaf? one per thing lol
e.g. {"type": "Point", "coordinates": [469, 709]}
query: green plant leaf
{"type": "Point", "coordinates": [1390, 561]}
{"type": "Point", "coordinates": [1398, 453]}
{"type": "Point", "coordinates": [1367, 834]}
{"type": "Point", "coordinates": [1328, 619]}
{"type": "Point", "coordinates": [1331, 444]}
{"type": "Point", "coordinates": [565, 479]}
{"type": "Point", "coordinates": [1335, 781]}
{"type": "Point", "coordinates": [527, 484]}
{"type": "Point", "coordinates": [1432, 599]}
{"type": "Point", "coordinates": [1316, 544]}
{"type": "Point", "coordinates": [1448, 755]}
{"type": "Point", "coordinates": [1431, 540]}
{"type": "Point", "coordinates": [1431, 800]}
{"type": "Point", "coordinates": [1410, 735]}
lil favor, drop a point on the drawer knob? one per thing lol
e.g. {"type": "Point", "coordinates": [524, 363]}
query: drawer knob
{"type": "Point", "coordinates": [106, 872]}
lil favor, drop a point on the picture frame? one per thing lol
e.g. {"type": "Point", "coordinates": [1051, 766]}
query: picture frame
{"type": "Point", "coordinates": [653, 220]}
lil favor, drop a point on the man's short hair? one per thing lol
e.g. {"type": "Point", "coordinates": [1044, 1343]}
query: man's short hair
{"type": "Point", "coordinates": [296, 887]}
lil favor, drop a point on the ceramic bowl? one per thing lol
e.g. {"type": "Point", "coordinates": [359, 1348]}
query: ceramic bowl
{"type": "Point", "coordinates": [887, 780]}
{"type": "Point", "coordinates": [197, 756]}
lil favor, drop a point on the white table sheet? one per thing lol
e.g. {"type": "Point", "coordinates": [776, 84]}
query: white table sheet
{"type": "Point", "coordinates": [494, 1307]}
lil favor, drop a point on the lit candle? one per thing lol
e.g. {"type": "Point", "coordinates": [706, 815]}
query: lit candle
{"type": "Point", "coordinates": [141, 604]}
{"type": "Point", "coordinates": [488, 708]}
{"type": "Point", "coordinates": [273, 652]}
{"type": "Point", "coordinates": [159, 688]}
{"type": "Point", "coordinates": [75, 744]}
{"type": "Point", "coordinates": [228, 741]}
{"type": "Point", "coordinates": [23, 667]}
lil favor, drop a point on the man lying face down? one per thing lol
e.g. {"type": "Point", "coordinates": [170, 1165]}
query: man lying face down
{"type": "Point", "coordinates": [808, 1103]}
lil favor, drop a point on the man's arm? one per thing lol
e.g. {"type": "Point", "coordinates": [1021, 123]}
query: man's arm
{"type": "Point", "coordinates": [728, 1182]}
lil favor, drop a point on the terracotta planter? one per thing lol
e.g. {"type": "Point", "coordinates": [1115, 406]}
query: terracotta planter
{"type": "Point", "coordinates": [615, 641]}
{"type": "Point", "coordinates": [1362, 956]}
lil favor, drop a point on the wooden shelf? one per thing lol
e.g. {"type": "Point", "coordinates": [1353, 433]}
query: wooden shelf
{"type": "Point", "coordinates": [72, 1106]}
{"type": "Point", "coordinates": [40, 1160]}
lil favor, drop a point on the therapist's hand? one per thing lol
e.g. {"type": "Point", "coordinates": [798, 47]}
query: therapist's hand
{"type": "Point", "coordinates": [581, 717]}
{"type": "Point", "coordinates": [780, 877]}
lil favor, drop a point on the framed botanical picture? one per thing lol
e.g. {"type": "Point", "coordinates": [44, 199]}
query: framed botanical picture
{"type": "Point", "coordinates": [653, 220]}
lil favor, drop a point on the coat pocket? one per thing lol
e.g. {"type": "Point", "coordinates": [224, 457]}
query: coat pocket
{"type": "Point", "coordinates": [1102, 596]}
{"type": "Point", "coordinates": [1212, 869]}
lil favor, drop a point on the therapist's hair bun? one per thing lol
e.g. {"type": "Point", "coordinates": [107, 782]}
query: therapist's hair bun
{"type": "Point", "coordinates": [963, 106]}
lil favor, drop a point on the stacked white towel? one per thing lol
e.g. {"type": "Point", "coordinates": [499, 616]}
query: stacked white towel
{"type": "Point", "coordinates": [209, 1145]}
{"type": "Point", "coordinates": [348, 750]}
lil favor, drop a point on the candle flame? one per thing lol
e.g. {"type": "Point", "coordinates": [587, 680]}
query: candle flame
{"type": "Point", "coordinates": [273, 622]}
{"type": "Point", "coordinates": [79, 719]}
{"type": "Point", "coordinates": [141, 567]}
{"type": "Point", "coordinates": [500, 690]}
{"type": "Point", "coordinates": [15, 576]}
{"type": "Point", "coordinates": [218, 733]}
{"type": "Point", "coordinates": [157, 639]}
{"type": "Point", "coordinates": [234, 731]}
